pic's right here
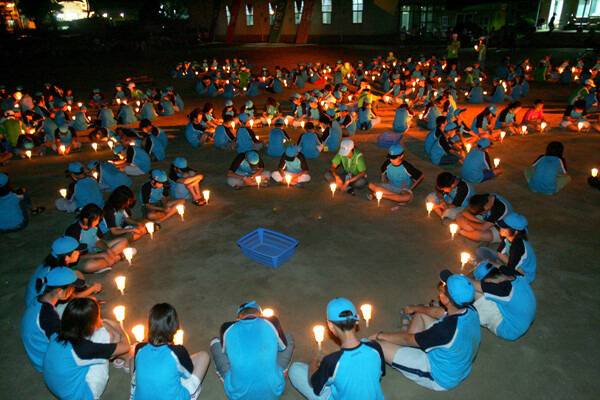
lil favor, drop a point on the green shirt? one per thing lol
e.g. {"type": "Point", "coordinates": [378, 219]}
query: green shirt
{"type": "Point", "coordinates": [352, 165]}
{"type": "Point", "coordinates": [11, 128]}
{"type": "Point", "coordinates": [453, 48]}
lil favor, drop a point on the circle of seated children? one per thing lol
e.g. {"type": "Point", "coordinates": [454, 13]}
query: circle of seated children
{"type": "Point", "coordinates": [65, 336]}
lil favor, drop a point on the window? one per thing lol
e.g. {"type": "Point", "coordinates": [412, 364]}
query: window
{"type": "Point", "coordinates": [298, 10]}
{"type": "Point", "coordinates": [249, 15]}
{"type": "Point", "coordinates": [271, 14]}
{"type": "Point", "coordinates": [405, 20]}
{"type": "Point", "coordinates": [357, 11]}
{"type": "Point", "coordinates": [228, 14]}
{"type": "Point", "coordinates": [326, 8]}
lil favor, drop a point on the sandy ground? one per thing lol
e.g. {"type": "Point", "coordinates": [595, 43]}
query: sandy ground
{"type": "Point", "coordinates": [348, 247]}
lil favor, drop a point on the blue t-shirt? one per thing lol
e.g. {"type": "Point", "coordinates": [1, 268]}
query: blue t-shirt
{"type": "Point", "coordinates": [401, 175]}
{"type": "Point", "coordinates": [87, 191]}
{"type": "Point", "coordinates": [223, 137]}
{"type": "Point", "coordinates": [11, 214]}
{"type": "Point", "coordinates": [517, 304]}
{"type": "Point", "coordinates": [252, 344]}
{"type": "Point", "coordinates": [277, 138]}
{"type": "Point", "coordinates": [352, 374]}
{"type": "Point", "coordinates": [159, 370]}
{"type": "Point", "coordinates": [89, 236]}
{"type": "Point", "coordinates": [459, 196]}
{"type": "Point", "coordinates": [401, 118]}
{"type": "Point", "coordinates": [67, 364]}
{"type": "Point", "coordinates": [244, 140]}
{"type": "Point", "coordinates": [451, 345]}
{"type": "Point", "coordinates": [40, 321]}
{"type": "Point", "coordinates": [545, 171]}
{"type": "Point", "coordinates": [193, 134]}
{"type": "Point", "coordinates": [110, 177]}
{"type": "Point", "coordinates": [309, 144]}
{"type": "Point", "coordinates": [475, 163]}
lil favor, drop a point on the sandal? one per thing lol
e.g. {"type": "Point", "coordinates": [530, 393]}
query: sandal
{"type": "Point", "coordinates": [37, 210]}
{"type": "Point", "coordinates": [199, 202]}
{"type": "Point", "coordinates": [120, 364]}
{"type": "Point", "coordinates": [370, 196]}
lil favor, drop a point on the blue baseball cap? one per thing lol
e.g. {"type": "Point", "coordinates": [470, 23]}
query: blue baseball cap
{"type": "Point", "coordinates": [66, 245]}
{"type": "Point", "coordinates": [180, 162]}
{"type": "Point", "coordinates": [482, 270]}
{"type": "Point", "coordinates": [396, 150]}
{"type": "Point", "coordinates": [492, 109]}
{"type": "Point", "coordinates": [252, 304]}
{"type": "Point", "coordinates": [291, 151]}
{"type": "Point", "coordinates": [3, 179]}
{"type": "Point", "coordinates": [514, 221]}
{"type": "Point", "coordinates": [75, 168]}
{"type": "Point", "coordinates": [159, 175]}
{"type": "Point", "coordinates": [484, 143]}
{"type": "Point", "coordinates": [252, 157]}
{"type": "Point", "coordinates": [62, 276]}
{"type": "Point", "coordinates": [279, 122]}
{"type": "Point", "coordinates": [339, 306]}
{"type": "Point", "coordinates": [460, 289]}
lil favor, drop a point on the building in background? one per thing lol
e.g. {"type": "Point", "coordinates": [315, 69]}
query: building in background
{"type": "Point", "coordinates": [570, 14]}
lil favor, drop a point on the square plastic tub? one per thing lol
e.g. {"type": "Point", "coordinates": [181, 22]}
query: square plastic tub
{"type": "Point", "coordinates": [268, 247]}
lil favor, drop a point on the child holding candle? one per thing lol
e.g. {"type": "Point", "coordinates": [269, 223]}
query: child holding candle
{"type": "Point", "coordinates": [438, 347]}
{"type": "Point", "coordinates": [89, 229]}
{"type": "Point", "coordinates": [505, 302]}
{"type": "Point", "coordinates": [507, 119]}
{"type": "Point", "coordinates": [309, 142]}
{"type": "Point", "coordinates": [514, 250]}
{"type": "Point", "coordinates": [277, 139]}
{"type": "Point", "coordinates": [477, 166]}
{"type": "Point", "coordinates": [451, 196]}
{"type": "Point", "coordinates": [224, 138]}
{"type": "Point", "coordinates": [534, 117]}
{"type": "Point", "coordinates": [15, 206]}
{"type": "Point", "coordinates": [185, 182]}
{"type": "Point", "coordinates": [244, 170]}
{"type": "Point", "coordinates": [245, 138]}
{"type": "Point", "coordinates": [252, 354]}
{"type": "Point", "coordinates": [478, 222]}
{"type": "Point", "coordinates": [157, 205]}
{"type": "Point", "coordinates": [548, 173]}
{"type": "Point", "coordinates": [398, 177]}
{"type": "Point", "coordinates": [348, 169]}
{"type": "Point", "coordinates": [76, 363]}
{"type": "Point", "coordinates": [353, 372]}
{"type": "Point", "coordinates": [482, 124]}
{"type": "Point", "coordinates": [294, 165]}
{"type": "Point", "coordinates": [194, 130]}
{"type": "Point", "coordinates": [82, 190]}
{"type": "Point", "coordinates": [161, 369]}
{"type": "Point", "coordinates": [118, 215]}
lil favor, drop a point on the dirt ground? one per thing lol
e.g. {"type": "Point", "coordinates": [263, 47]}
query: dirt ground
{"type": "Point", "coordinates": [348, 247]}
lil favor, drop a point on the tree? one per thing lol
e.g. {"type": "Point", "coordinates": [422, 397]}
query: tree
{"type": "Point", "coordinates": [40, 11]}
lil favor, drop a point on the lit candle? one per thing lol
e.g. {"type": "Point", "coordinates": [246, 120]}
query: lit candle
{"type": "Point", "coordinates": [286, 121]}
{"type": "Point", "coordinates": [180, 210]}
{"type": "Point", "coordinates": [332, 187]}
{"type": "Point", "coordinates": [232, 125]}
{"type": "Point", "coordinates": [137, 109]}
{"type": "Point", "coordinates": [138, 103]}
{"type": "Point", "coordinates": [288, 179]}
{"type": "Point", "coordinates": [468, 147]}
{"type": "Point", "coordinates": [119, 312]}
{"type": "Point", "coordinates": [429, 205]}
{"type": "Point", "coordinates": [206, 195]}
{"type": "Point", "coordinates": [251, 123]}
{"type": "Point", "coordinates": [502, 135]}
{"type": "Point", "coordinates": [453, 229]}
{"type": "Point", "coordinates": [366, 310]}
{"type": "Point", "coordinates": [95, 146]}
{"type": "Point", "coordinates": [178, 337]}
{"type": "Point", "coordinates": [319, 331]}
{"type": "Point", "coordinates": [79, 104]}
{"type": "Point", "coordinates": [120, 282]}
{"type": "Point", "coordinates": [579, 125]}
{"type": "Point", "coordinates": [95, 175]}
{"type": "Point", "coordinates": [466, 94]}
{"type": "Point", "coordinates": [524, 129]}
{"type": "Point", "coordinates": [62, 149]}
{"type": "Point", "coordinates": [302, 124]}
{"type": "Point", "coordinates": [496, 162]}
{"type": "Point", "coordinates": [268, 312]}
{"type": "Point", "coordinates": [150, 228]}
{"type": "Point", "coordinates": [378, 196]}
{"type": "Point", "coordinates": [258, 179]}
{"type": "Point", "coordinates": [139, 332]}
{"type": "Point", "coordinates": [63, 193]}
{"type": "Point", "coordinates": [543, 126]}
{"type": "Point", "coordinates": [118, 101]}
{"type": "Point", "coordinates": [464, 258]}
{"type": "Point", "coordinates": [485, 92]}
{"type": "Point", "coordinates": [269, 121]}
{"type": "Point", "coordinates": [386, 99]}
{"type": "Point", "coordinates": [28, 154]}
{"type": "Point", "coordinates": [110, 144]}
{"type": "Point", "coordinates": [128, 253]}
{"type": "Point", "coordinates": [594, 172]}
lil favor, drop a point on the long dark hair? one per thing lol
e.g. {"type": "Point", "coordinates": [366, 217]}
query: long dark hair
{"type": "Point", "coordinates": [79, 320]}
{"type": "Point", "coordinates": [90, 212]}
{"type": "Point", "coordinates": [163, 322]}
{"type": "Point", "coordinates": [122, 198]}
